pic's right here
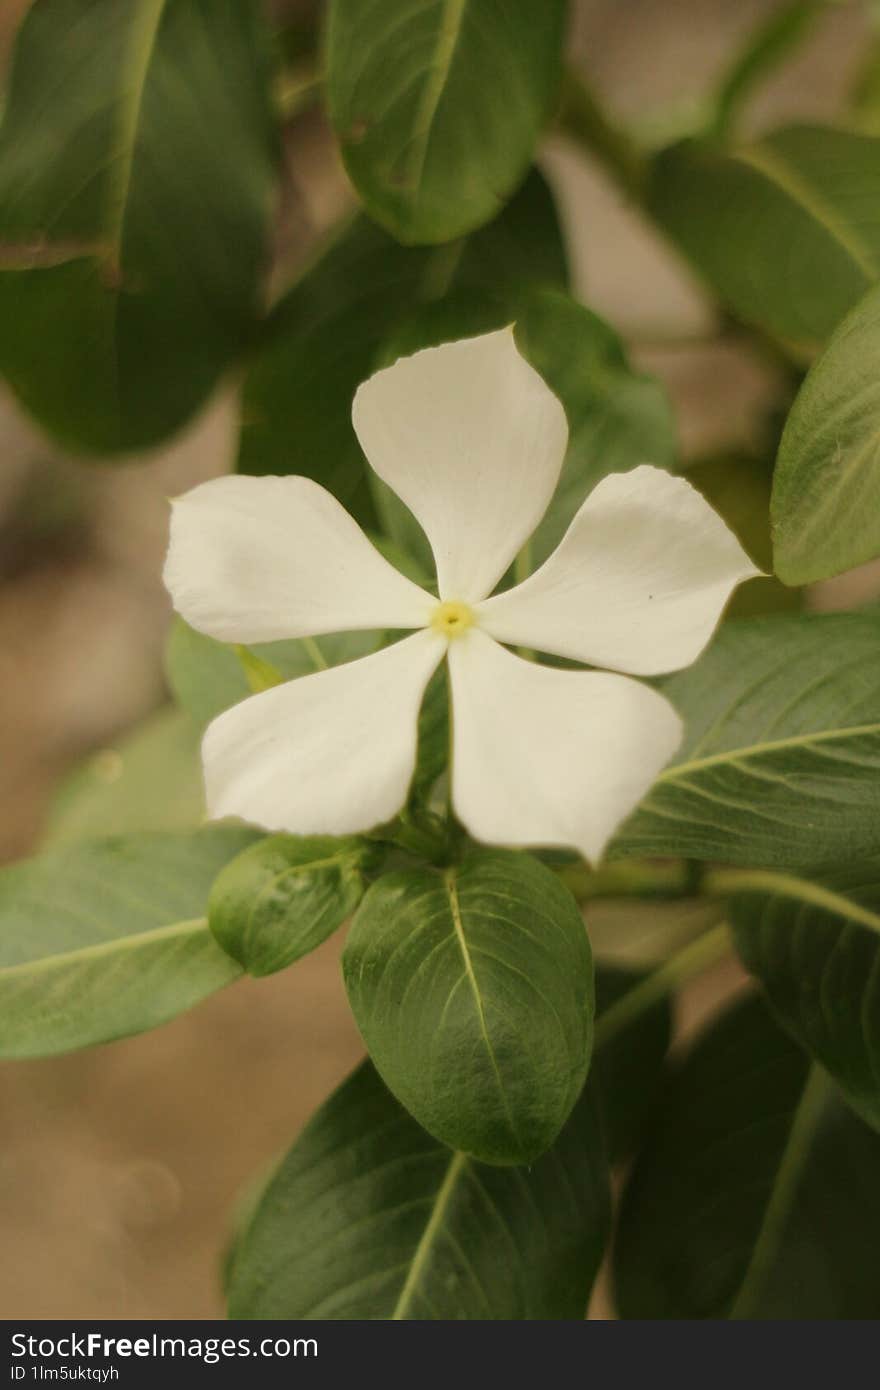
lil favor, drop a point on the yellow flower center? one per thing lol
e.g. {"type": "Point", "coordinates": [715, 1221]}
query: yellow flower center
{"type": "Point", "coordinates": [452, 618]}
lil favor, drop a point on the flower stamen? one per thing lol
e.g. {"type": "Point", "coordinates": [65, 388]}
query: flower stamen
{"type": "Point", "coordinates": [451, 618]}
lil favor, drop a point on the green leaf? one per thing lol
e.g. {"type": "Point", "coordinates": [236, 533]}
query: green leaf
{"type": "Point", "coordinates": [617, 417]}
{"type": "Point", "coordinates": [370, 1218]}
{"type": "Point", "coordinates": [325, 336]}
{"type": "Point", "coordinates": [780, 760]}
{"type": "Point", "coordinates": [137, 167]}
{"type": "Point", "coordinates": [438, 105]}
{"type": "Point", "coordinates": [826, 488]}
{"type": "Point", "coordinates": [149, 780]}
{"type": "Point", "coordinates": [802, 210]}
{"type": "Point", "coordinates": [206, 677]}
{"type": "Point", "coordinates": [283, 896]}
{"type": "Point", "coordinates": [737, 487]}
{"type": "Point", "coordinates": [473, 990]}
{"type": "Point", "coordinates": [627, 1069]}
{"type": "Point", "coordinates": [108, 938]}
{"type": "Point", "coordinates": [814, 944]}
{"type": "Point", "coordinates": [756, 1195]}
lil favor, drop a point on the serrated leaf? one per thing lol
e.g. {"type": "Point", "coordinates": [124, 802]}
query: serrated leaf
{"type": "Point", "coordinates": [370, 1218]}
{"type": "Point", "coordinates": [206, 677]}
{"type": "Point", "coordinates": [473, 990]}
{"type": "Point", "coordinates": [108, 938]}
{"type": "Point", "coordinates": [826, 486]}
{"type": "Point", "coordinates": [814, 944]}
{"type": "Point", "coordinates": [756, 1195]}
{"type": "Point", "coordinates": [283, 896]}
{"type": "Point", "coordinates": [324, 337]}
{"type": "Point", "coordinates": [802, 209]}
{"type": "Point", "coordinates": [137, 165]}
{"type": "Point", "coordinates": [780, 760]}
{"type": "Point", "coordinates": [438, 106]}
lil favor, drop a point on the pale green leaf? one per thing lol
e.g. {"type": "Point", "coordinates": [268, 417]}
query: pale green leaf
{"type": "Point", "coordinates": [109, 937]}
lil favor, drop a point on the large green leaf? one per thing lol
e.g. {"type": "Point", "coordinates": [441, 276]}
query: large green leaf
{"type": "Point", "coordinates": [370, 1218]}
{"type": "Point", "coordinates": [149, 780]}
{"type": "Point", "coordinates": [787, 230]}
{"type": "Point", "coordinates": [438, 105]}
{"type": "Point", "coordinates": [325, 335]}
{"type": "Point", "coordinates": [756, 1195]}
{"type": "Point", "coordinates": [107, 938]}
{"type": "Point", "coordinates": [283, 896]}
{"type": "Point", "coordinates": [780, 760]}
{"type": "Point", "coordinates": [826, 487]}
{"type": "Point", "coordinates": [814, 943]}
{"type": "Point", "coordinates": [473, 990]}
{"type": "Point", "coordinates": [136, 174]}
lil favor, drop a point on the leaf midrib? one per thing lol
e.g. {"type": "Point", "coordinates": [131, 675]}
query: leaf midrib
{"type": "Point", "coordinates": [448, 35]}
{"type": "Point", "coordinates": [458, 926]}
{"type": "Point", "coordinates": [801, 890]}
{"type": "Point", "coordinates": [773, 167]}
{"type": "Point", "coordinates": [426, 1240]}
{"type": "Point", "coordinates": [133, 80]}
{"type": "Point", "coordinates": [194, 926]}
{"type": "Point", "coordinates": [754, 750]}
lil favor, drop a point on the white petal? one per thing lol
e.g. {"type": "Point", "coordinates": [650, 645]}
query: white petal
{"type": "Point", "coordinates": [637, 583]}
{"type": "Point", "coordinates": [332, 753]}
{"type": "Point", "coordinates": [549, 757]}
{"type": "Point", "coordinates": [257, 559]}
{"type": "Point", "coordinates": [472, 440]}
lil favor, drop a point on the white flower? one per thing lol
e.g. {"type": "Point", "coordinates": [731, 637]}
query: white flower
{"type": "Point", "coordinates": [471, 439]}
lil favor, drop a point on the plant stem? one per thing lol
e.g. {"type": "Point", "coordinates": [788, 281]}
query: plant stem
{"type": "Point", "coordinates": [692, 959]}
{"type": "Point", "coordinates": [627, 878]}
{"type": "Point", "coordinates": [581, 116]}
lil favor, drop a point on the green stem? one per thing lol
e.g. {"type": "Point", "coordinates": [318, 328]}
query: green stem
{"type": "Point", "coordinates": [582, 117]}
{"type": "Point", "coordinates": [692, 959]}
{"type": "Point", "coordinates": [627, 878]}
{"type": "Point", "coordinates": [806, 1119]}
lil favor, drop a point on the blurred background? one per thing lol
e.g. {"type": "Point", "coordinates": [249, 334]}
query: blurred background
{"type": "Point", "coordinates": [119, 1167]}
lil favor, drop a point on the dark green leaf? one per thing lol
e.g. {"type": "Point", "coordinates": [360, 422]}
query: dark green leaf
{"type": "Point", "coordinates": [756, 1194]}
{"type": "Point", "coordinates": [325, 336]}
{"type": "Point", "coordinates": [815, 946]}
{"type": "Point", "coordinates": [107, 938]}
{"type": "Point", "coordinates": [206, 677]}
{"type": "Point", "coordinates": [136, 174]}
{"type": "Point", "coordinates": [370, 1218]}
{"type": "Point", "coordinates": [780, 761]}
{"type": "Point", "coordinates": [826, 488]}
{"type": "Point", "coordinates": [473, 990]}
{"type": "Point", "coordinates": [787, 230]}
{"type": "Point", "coordinates": [626, 1070]}
{"type": "Point", "coordinates": [283, 896]}
{"type": "Point", "coordinates": [438, 105]}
